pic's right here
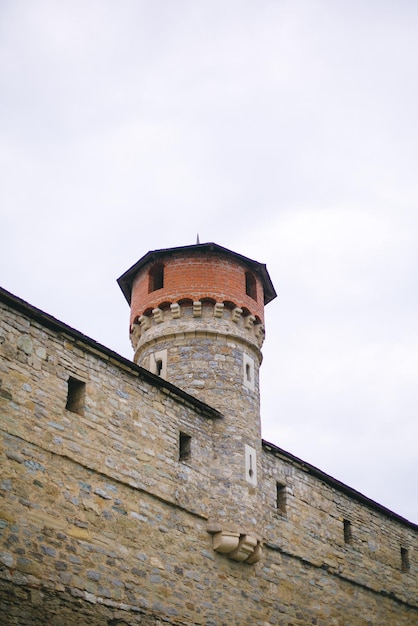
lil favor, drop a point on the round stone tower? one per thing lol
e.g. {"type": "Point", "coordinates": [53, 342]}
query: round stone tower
{"type": "Point", "coordinates": [197, 320]}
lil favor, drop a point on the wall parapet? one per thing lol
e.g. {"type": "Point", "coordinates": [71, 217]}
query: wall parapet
{"type": "Point", "coordinates": [336, 484]}
{"type": "Point", "coordinates": [103, 353]}
{"type": "Point", "coordinates": [197, 316]}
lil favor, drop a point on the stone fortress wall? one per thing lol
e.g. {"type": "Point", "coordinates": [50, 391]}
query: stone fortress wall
{"type": "Point", "coordinates": [116, 506]}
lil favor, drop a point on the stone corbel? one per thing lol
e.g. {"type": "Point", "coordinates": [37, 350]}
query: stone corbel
{"type": "Point", "coordinates": [144, 322]}
{"type": "Point", "coordinates": [249, 321]}
{"type": "Point", "coordinates": [158, 315]}
{"type": "Point", "coordinates": [260, 334]}
{"type": "Point", "coordinates": [238, 546]}
{"type": "Point", "coordinates": [236, 314]}
{"type": "Point", "coordinates": [197, 309]}
{"type": "Point", "coordinates": [245, 548]}
{"type": "Point", "coordinates": [218, 309]}
{"type": "Point", "coordinates": [135, 335]}
{"type": "Point", "coordinates": [256, 554]}
{"type": "Point", "coordinates": [175, 310]}
{"type": "Point", "coordinates": [225, 542]}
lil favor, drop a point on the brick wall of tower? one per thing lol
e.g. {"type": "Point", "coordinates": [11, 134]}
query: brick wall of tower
{"type": "Point", "coordinates": [197, 276]}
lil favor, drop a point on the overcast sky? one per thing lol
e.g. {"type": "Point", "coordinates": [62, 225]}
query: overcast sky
{"type": "Point", "coordinates": [283, 130]}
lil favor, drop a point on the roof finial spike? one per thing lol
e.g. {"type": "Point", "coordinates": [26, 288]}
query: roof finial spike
{"type": "Point", "coordinates": [197, 239]}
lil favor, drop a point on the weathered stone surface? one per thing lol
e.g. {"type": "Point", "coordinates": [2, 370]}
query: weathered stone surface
{"type": "Point", "coordinates": [102, 522]}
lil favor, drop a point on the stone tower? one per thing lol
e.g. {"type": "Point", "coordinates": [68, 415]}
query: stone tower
{"type": "Point", "coordinates": [197, 320]}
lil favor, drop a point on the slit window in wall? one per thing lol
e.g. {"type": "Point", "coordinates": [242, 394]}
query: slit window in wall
{"type": "Point", "coordinates": [250, 465]}
{"type": "Point", "coordinates": [405, 564]}
{"type": "Point", "coordinates": [185, 446]}
{"type": "Point", "coordinates": [250, 286]}
{"type": "Point", "coordinates": [248, 373]}
{"type": "Point", "coordinates": [348, 531]}
{"type": "Point", "coordinates": [156, 277]}
{"type": "Point", "coordinates": [281, 499]}
{"type": "Point", "coordinates": [76, 396]}
{"type": "Point", "coordinates": [158, 363]}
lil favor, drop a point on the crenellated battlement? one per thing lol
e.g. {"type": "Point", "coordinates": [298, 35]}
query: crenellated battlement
{"type": "Point", "coordinates": [197, 317]}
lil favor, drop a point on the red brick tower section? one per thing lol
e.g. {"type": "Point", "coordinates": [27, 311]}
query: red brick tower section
{"type": "Point", "coordinates": [196, 273]}
{"type": "Point", "coordinates": [182, 294]}
{"type": "Point", "coordinates": [197, 320]}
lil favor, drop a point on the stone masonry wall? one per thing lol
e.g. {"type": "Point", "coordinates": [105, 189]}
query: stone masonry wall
{"type": "Point", "coordinates": [101, 523]}
{"type": "Point", "coordinates": [307, 524]}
